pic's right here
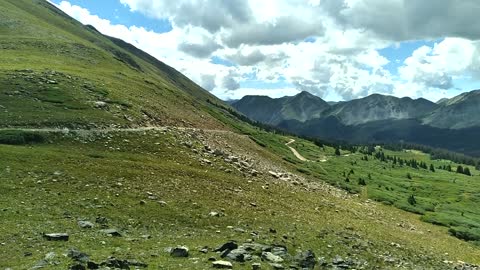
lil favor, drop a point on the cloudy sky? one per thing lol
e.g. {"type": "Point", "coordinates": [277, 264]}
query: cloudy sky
{"type": "Point", "coordinates": [336, 49]}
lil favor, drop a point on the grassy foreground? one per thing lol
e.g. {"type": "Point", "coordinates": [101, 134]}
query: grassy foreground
{"type": "Point", "coordinates": [156, 189]}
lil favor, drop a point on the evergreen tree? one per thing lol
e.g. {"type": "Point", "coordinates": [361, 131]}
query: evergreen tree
{"type": "Point", "coordinates": [362, 182]}
{"type": "Point", "coordinates": [337, 151]}
{"type": "Point", "coordinates": [432, 168]}
{"type": "Point", "coordinates": [466, 171]}
{"type": "Point", "coordinates": [460, 169]}
{"type": "Point", "coordinates": [412, 200]}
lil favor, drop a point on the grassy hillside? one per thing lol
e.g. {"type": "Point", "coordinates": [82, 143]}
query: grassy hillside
{"type": "Point", "coordinates": [138, 183]}
{"type": "Point", "coordinates": [125, 197]}
{"type": "Point", "coordinates": [57, 72]}
{"type": "Point", "coordinates": [441, 196]}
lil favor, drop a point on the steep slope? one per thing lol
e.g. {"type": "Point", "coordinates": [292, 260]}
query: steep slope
{"type": "Point", "coordinates": [57, 72]}
{"type": "Point", "coordinates": [301, 107]}
{"type": "Point", "coordinates": [460, 112]}
{"type": "Point", "coordinates": [378, 107]}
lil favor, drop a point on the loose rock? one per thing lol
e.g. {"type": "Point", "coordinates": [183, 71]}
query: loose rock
{"type": "Point", "coordinates": [180, 251]}
{"type": "Point", "coordinates": [56, 236]}
{"type": "Point", "coordinates": [222, 265]}
{"type": "Point", "coordinates": [268, 256]}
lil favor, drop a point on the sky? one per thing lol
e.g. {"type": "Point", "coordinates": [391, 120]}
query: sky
{"type": "Point", "coordinates": [335, 49]}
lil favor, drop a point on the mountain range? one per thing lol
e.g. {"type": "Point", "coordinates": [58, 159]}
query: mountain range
{"type": "Point", "coordinates": [453, 123]}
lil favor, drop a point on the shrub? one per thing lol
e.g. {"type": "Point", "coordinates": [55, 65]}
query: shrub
{"type": "Point", "coordinates": [14, 137]}
{"type": "Point", "coordinates": [362, 182]}
{"type": "Point", "coordinates": [468, 234]}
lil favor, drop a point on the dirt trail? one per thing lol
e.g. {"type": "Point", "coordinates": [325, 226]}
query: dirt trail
{"type": "Point", "coordinates": [106, 130]}
{"type": "Point", "coordinates": [294, 151]}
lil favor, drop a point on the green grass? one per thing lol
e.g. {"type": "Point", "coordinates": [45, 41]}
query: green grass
{"type": "Point", "coordinates": [39, 47]}
{"type": "Point", "coordinates": [443, 198]}
{"type": "Point", "coordinates": [55, 72]}
{"type": "Point", "coordinates": [85, 176]}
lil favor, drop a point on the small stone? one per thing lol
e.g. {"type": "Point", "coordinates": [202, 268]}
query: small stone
{"type": "Point", "coordinates": [214, 214]}
{"type": "Point", "coordinates": [56, 236]}
{"type": "Point", "coordinates": [77, 255]}
{"type": "Point", "coordinates": [268, 256]}
{"type": "Point", "coordinates": [277, 266]}
{"type": "Point", "coordinates": [306, 260]}
{"type": "Point", "coordinates": [222, 265]}
{"type": "Point", "coordinates": [274, 174]}
{"type": "Point", "coordinates": [180, 251]}
{"type": "Point", "coordinates": [112, 232]}
{"type": "Point", "coordinates": [85, 224]}
{"type": "Point", "coordinates": [227, 246]}
{"type": "Point", "coordinates": [101, 220]}
{"type": "Point", "coordinates": [50, 256]}
{"type": "Point", "coordinates": [338, 260]}
{"type": "Point", "coordinates": [256, 266]}
{"type": "Point", "coordinates": [239, 255]}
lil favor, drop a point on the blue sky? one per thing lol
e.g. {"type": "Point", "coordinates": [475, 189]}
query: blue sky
{"type": "Point", "coordinates": [118, 13]}
{"type": "Point", "coordinates": [260, 48]}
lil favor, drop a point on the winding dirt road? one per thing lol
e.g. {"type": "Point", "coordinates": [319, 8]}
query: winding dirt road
{"type": "Point", "coordinates": [294, 151]}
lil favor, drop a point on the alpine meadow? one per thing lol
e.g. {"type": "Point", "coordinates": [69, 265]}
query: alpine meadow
{"type": "Point", "coordinates": [141, 134]}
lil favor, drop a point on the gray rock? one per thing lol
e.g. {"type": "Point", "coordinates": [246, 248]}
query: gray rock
{"type": "Point", "coordinates": [77, 255]}
{"type": "Point", "coordinates": [101, 220]}
{"type": "Point", "coordinates": [274, 174]}
{"type": "Point", "coordinates": [49, 257]}
{"type": "Point", "coordinates": [268, 256]}
{"type": "Point", "coordinates": [256, 266]}
{"type": "Point", "coordinates": [40, 264]}
{"type": "Point", "coordinates": [222, 265]}
{"type": "Point", "coordinates": [227, 246]}
{"type": "Point", "coordinates": [239, 255]}
{"type": "Point", "coordinates": [112, 232]}
{"type": "Point", "coordinates": [56, 236]}
{"type": "Point", "coordinates": [180, 251]}
{"type": "Point", "coordinates": [214, 214]}
{"type": "Point", "coordinates": [255, 247]}
{"type": "Point", "coordinates": [85, 224]}
{"type": "Point", "coordinates": [338, 260]}
{"type": "Point", "coordinates": [277, 266]}
{"type": "Point", "coordinates": [306, 259]}
{"type": "Point", "coordinates": [280, 251]}
{"type": "Point", "coordinates": [116, 263]}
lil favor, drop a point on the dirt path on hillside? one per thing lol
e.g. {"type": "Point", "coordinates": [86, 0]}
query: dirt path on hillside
{"type": "Point", "coordinates": [294, 151]}
{"type": "Point", "coordinates": [106, 130]}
